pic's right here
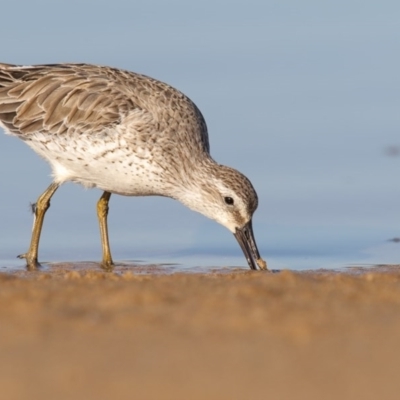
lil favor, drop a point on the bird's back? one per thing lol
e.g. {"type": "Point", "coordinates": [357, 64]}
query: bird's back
{"type": "Point", "coordinates": [65, 98]}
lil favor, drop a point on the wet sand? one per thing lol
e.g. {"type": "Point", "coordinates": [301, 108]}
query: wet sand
{"type": "Point", "coordinates": [74, 332]}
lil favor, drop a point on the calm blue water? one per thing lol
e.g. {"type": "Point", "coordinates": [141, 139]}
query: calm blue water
{"type": "Point", "coordinates": [303, 97]}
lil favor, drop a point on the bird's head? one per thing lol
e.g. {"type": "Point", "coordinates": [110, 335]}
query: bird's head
{"type": "Point", "coordinates": [228, 197]}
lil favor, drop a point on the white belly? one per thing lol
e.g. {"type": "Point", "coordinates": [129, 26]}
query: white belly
{"type": "Point", "coordinates": [107, 165]}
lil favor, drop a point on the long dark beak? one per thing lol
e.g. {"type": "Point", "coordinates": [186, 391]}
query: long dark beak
{"type": "Point", "coordinates": [245, 237]}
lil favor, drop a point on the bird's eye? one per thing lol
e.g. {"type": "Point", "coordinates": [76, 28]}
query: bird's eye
{"type": "Point", "coordinates": [229, 200]}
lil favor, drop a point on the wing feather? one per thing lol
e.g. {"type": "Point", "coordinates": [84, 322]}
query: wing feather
{"type": "Point", "coordinates": [75, 98]}
{"type": "Point", "coordinates": [58, 99]}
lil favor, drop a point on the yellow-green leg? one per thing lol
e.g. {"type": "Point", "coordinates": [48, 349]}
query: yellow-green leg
{"type": "Point", "coordinates": [102, 212]}
{"type": "Point", "coordinates": [42, 205]}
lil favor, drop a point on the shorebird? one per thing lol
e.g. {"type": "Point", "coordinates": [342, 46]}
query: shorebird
{"type": "Point", "coordinates": [124, 133]}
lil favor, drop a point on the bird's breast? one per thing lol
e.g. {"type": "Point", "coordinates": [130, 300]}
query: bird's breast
{"type": "Point", "coordinates": [108, 163]}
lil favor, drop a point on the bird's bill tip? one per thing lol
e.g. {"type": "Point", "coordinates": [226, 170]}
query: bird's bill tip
{"type": "Point", "coordinates": [245, 237]}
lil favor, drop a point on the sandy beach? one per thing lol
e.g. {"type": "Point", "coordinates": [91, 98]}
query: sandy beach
{"type": "Point", "coordinates": [75, 332]}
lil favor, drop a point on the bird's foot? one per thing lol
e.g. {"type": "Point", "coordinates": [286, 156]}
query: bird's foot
{"type": "Point", "coordinates": [32, 263]}
{"type": "Point", "coordinates": [107, 265]}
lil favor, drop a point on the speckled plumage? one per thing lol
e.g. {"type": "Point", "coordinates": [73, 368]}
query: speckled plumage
{"type": "Point", "coordinates": [124, 133]}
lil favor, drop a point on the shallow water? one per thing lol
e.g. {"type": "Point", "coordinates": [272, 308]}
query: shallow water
{"type": "Point", "coordinates": [386, 254]}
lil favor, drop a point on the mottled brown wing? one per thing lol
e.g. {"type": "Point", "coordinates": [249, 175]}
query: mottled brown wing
{"type": "Point", "coordinates": [59, 99]}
